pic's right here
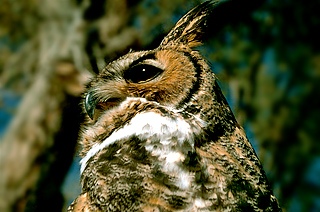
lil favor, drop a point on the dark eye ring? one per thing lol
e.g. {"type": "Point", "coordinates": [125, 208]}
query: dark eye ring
{"type": "Point", "coordinates": [142, 73]}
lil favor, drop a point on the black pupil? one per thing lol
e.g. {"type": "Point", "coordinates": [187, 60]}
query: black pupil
{"type": "Point", "coordinates": [142, 73]}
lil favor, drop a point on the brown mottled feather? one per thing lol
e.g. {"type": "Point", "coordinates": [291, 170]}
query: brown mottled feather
{"type": "Point", "coordinates": [190, 28]}
{"type": "Point", "coordinates": [168, 142]}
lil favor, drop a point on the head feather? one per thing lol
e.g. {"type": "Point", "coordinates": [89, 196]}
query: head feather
{"type": "Point", "coordinates": [191, 27]}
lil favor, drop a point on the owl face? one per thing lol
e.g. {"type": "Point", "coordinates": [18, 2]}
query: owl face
{"type": "Point", "coordinates": [162, 75]}
{"type": "Point", "coordinates": [169, 74]}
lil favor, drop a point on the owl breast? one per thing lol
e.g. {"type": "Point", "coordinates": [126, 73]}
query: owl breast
{"type": "Point", "coordinates": [151, 159]}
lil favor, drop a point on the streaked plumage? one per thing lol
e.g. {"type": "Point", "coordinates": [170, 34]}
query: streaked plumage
{"type": "Point", "coordinates": [162, 136]}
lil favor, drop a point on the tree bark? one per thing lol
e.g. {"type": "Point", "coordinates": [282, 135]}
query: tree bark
{"type": "Point", "coordinates": [43, 134]}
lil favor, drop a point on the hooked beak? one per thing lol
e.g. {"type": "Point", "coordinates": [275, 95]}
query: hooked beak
{"type": "Point", "coordinates": [90, 104]}
{"type": "Point", "coordinates": [93, 104]}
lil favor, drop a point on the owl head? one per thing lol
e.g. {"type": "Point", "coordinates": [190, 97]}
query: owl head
{"type": "Point", "coordinates": [173, 74]}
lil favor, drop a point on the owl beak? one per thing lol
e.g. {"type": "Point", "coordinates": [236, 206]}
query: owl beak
{"type": "Point", "coordinates": [90, 104]}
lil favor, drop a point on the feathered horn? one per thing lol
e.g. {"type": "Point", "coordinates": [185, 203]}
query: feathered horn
{"type": "Point", "coordinates": [191, 27]}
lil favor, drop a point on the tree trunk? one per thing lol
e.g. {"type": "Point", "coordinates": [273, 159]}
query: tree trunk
{"type": "Point", "coordinates": [38, 147]}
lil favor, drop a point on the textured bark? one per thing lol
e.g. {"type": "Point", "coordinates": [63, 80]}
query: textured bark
{"type": "Point", "coordinates": [39, 144]}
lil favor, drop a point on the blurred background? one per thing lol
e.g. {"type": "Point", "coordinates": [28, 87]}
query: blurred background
{"type": "Point", "coordinates": [266, 55]}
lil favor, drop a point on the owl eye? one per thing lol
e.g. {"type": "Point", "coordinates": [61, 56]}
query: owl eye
{"type": "Point", "coordinates": [142, 73]}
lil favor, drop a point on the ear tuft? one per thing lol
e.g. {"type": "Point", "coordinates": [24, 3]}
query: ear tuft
{"type": "Point", "coordinates": [191, 27]}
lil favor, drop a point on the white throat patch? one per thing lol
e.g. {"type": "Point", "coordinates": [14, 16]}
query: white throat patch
{"type": "Point", "coordinates": [145, 125]}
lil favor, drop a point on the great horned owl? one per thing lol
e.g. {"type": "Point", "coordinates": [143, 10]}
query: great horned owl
{"type": "Point", "coordinates": [161, 136]}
